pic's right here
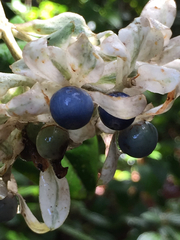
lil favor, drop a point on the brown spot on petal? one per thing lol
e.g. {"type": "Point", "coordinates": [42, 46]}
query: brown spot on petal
{"type": "Point", "coordinates": [156, 7]}
{"type": "Point", "coordinates": [124, 59]}
{"type": "Point", "coordinates": [155, 43]}
{"type": "Point", "coordinates": [96, 56]}
{"type": "Point", "coordinates": [162, 70]}
{"type": "Point", "coordinates": [43, 61]}
{"type": "Point", "coordinates": [46, 97]}
{"type": "Point", "coordinates": [73, 67]}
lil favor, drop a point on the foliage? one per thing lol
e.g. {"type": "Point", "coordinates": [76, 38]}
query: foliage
{"type": "Point", "coordinates": [142, 201]}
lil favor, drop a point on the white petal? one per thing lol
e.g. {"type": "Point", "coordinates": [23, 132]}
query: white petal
{"type": "Point", "coordinates": [166, 31]}
{"type": "Point", "coordinates": [171, 52]}
{"type": "Point", "coordinates": [152, 43]}
{"type": "Point", "coordinates": [36, 57]}
{"type": "Point", "coordinates": [144, 39]}
{"type": "Point", "coordinates": [114, 47]}
{"type": "Point", "coordinates": [162, 10]}
{"type": "Point", "coordinates": [54, 198]}
{"type": "Point", "coordinates": [174, 64]}
{"type": "Point", "coordinates": [81, 134]}
{"type": "Point", "coordinates": [19, 67]}
{"type": "Point", "coordinates": [121, 107]}
{"type": "Point", "coordinates": [157, 79]}
{"type": "Point", "coordinates": [59, 58]}
{"type": "Point", "coordinates": [123, 70]}
{"type": "Point", "coordinates": [110, 164]}
{"type": "Point", "coordinates": [131, 37]}
{"type": "Point", "coordinates": [110, 68]}
{"type": "Point", "coordinates": [30, 219]}
{"type": "Point", "coordinates": [9, 80]}
{"type": "Point", "coordinates": [85, 63]}
{"type": "Point", "coordinates": [30, 103]}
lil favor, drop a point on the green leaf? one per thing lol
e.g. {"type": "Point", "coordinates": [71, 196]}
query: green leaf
{"type": "Point", "coordinates": [77, 189]}
{"type": "Point", "coordinates": [27, 169]}
{"type": "Point", "coordinates": [85, 159]}
{"type": "Point", "coordinates": [150, 236]}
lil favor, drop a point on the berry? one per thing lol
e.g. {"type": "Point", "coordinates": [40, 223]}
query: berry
{"type": "Point", "coordinates": [52, 142]}
{"type": "Point", "coordinates": [71, 107]}
{"type": "Point", "coordinates": [32, 130]}
{"type": "Point", "coordinates": [138, 140]}
{"type": "Point", "coordinates": [114, 122]}
{"type": "Point", "coordinates": [8, 208]}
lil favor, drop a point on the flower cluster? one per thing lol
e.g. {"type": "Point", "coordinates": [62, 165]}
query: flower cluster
{"type": "Point", "coordinates": [142, 57]}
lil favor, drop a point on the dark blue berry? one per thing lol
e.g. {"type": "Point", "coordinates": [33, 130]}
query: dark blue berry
{"type": "Point", "coordinates": [8, 208]}
{"type": "Point", "coordinates": [71, 107]}
{"type": "Point", "coordinates": [139, 140]}
{"type": "Point", "coordinates": [114, 122]}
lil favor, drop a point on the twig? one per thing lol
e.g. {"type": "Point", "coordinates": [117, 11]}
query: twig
{"type": "Point", "coordinates": [7, 35]}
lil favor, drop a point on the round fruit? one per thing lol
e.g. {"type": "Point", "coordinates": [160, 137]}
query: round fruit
{"type": "Point", "coordinates": [114, 122]}
{"type": "Point", "coordinates": [71, 107]}
{"type": "Point", "coordinates": [8, 208]}
{"type": "Point", "coordinates": [138, 140]}
{"type": "Point", "coordinates": [32, 130]}
{"type": "Point", "coordinates": [52, 142]}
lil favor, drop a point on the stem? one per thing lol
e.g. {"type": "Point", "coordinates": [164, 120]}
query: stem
{"type": "Point", "coordinates": [2, 14]}
{"type": "Point", "coordinates": [22, 36]}
{"type": "Point", "coordinates": [11, 43]}
{"type": "Point", "coordinates": [7, 36]}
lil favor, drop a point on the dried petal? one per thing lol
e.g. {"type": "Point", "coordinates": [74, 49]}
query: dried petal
{"type": "Point", "coordinates": [110, 163]}
{"type": "Point", "coordinates": [30, 219]}
{"type": "Point", "coordinates": [3, 190]}
{"type": "Point", "coordinates": [54, 198]}
{"type": "Point", "coordinates": [163, 107]}
{"type": "Point", "coordinates": [15, 144]}
{"type": "Point", "coordinates": [12, 185]}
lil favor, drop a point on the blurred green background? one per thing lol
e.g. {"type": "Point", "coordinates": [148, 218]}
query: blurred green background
{"type": "Point", "coordinates": [142, 201]}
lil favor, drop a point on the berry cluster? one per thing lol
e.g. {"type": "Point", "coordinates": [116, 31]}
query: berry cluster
{"type": "Point", "coordinates": [72, 108]}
